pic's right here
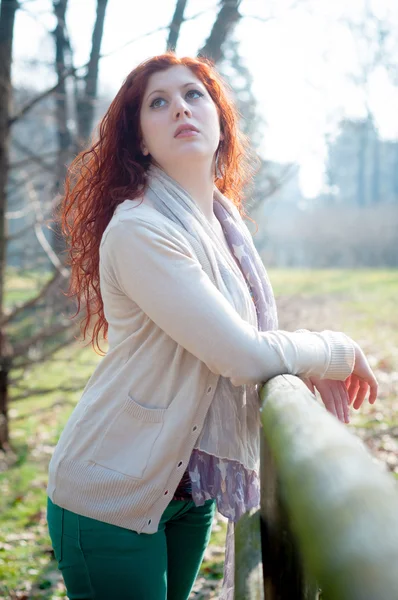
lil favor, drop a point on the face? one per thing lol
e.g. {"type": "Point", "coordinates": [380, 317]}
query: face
{"type": "Point", "coordinates": [179, 120]}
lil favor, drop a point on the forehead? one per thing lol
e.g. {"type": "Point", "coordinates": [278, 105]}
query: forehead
{"type": "Point", "coordinates": [174, 76]}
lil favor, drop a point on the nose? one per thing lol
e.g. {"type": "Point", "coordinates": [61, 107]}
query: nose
{"type": "Point", "coordinates": [181, 109]}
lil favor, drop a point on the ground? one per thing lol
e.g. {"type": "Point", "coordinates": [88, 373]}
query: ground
{"type": "Point", "coordinates": [360, 303]}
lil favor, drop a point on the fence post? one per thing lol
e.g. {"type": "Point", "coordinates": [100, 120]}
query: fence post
{"type": "Point", "coordinates": [342, 507]}
{"type": "Point", "coordinates": [284, 576]}
{"type": "Point", "coordinates": [248, 558]}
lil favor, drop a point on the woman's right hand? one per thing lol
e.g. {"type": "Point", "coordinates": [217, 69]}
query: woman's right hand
{"type": "Point", "coordinates": [361, 380]}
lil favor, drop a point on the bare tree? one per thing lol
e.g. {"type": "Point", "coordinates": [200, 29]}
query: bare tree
{"type": "Point", "coordinates": [225, 21]}
{"type": "Point", "coordinates": [7, 17]}
{"type": "Point", "coordinates": [32, 331]}
{"type": "Point", "coordinates": [85, 96]}
{"type": "Point", "coordinates": [175, 24]}
{"type": "Point", "coordinates": [376, 48]}
{"type": "Point", "coordinates": [63, 133]}
{"type": "Point", "coordinates": [86, 99]}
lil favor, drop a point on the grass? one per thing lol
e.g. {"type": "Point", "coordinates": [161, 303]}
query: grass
{"type": "Point", "coordinates": [314, 282]}
{"type": "Point", "coordinates": [26, 563]}
{"type": "Point", "coordinates": [21, 286]}
{"type": "Point", "coordinates": [361, 303]}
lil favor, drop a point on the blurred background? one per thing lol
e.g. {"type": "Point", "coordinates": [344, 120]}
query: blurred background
{"type": "Point", "coordinates": [316, 84]}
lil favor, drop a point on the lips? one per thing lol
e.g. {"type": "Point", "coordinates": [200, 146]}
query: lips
{"type": "Point", "coordinates": [186, 128]}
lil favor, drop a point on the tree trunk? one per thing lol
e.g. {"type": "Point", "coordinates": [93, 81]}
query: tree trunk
{"type": "Point", "coordinates": [395, 173]}
{"type": "Point", "coordinates": [61, 110]}
{"type": "Point", "coordinates": [376, 171]}
{"type": "Point", "coordinates": [175, 24]}
{"type": "Point", "coordinates": [361, 196]}
{"type": "Point", "coordinates": [226, 20]}
{"type": "Point", "coordinates": [86, 102]}
{"type": "Point", "coordinates": [7, 18]}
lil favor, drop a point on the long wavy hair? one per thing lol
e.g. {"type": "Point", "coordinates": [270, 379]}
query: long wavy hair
{"type": "Point", "coordinates": [113, 169]}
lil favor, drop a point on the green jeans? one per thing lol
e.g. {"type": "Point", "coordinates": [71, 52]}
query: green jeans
{"type": "Point", "coordinates": [105, 562]}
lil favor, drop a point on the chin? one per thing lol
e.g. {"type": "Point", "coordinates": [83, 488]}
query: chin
{"type": "Point", "coordinates": [193, 151]}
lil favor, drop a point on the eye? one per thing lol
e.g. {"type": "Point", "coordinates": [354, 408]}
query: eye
{"type": "Point", "coordinates": [191, 94]}
{"type": "Point", "coordinates": [156, 103]}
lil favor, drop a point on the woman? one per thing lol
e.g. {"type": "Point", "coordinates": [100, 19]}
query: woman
{"type": "Point", "coordinates": [162, 263]}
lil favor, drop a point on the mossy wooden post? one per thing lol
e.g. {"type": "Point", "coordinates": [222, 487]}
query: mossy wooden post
{"type": "Point", "coordinates": [248, 558]}
{"type": "Point", "coordinates": [342, 506]}
{"type": "Point", "coordinates": [284, 577]}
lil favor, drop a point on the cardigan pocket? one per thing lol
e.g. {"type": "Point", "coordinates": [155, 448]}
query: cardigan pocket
{"type": "Point", "coordinates": [127, 443]}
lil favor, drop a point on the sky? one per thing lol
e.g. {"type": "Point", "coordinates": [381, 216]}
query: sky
{"type": "Point", "coordinates": [300, 52]}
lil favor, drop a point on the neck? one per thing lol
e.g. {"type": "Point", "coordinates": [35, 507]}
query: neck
{"type": "Point", "coordinates": [198, 180]}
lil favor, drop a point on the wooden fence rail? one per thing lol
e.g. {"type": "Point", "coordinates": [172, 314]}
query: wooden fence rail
{"type": "Point", "coordinates": [329, 512]}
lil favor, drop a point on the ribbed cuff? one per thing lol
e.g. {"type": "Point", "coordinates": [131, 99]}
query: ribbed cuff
{"type": "Point", "coordinates": [342, 355]}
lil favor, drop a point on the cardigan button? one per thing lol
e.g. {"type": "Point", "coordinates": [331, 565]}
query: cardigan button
{"type": "Point", "coordinates": [166, 492]}
{"type": "Point", "coordinates": [194, 428]}
{"type": "Point", "coordinates": [150, 521]}
{"type": "Point", "coordinates": [179, 464]}
{"type": "Point", "coordinates": [209, 389]}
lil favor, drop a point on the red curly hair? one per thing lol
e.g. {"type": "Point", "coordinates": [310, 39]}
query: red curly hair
{"type": "Point", "coordinates": [113, 169]}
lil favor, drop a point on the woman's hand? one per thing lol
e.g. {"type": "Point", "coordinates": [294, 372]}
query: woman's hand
{"type": "Point", "coordinates": [334, 395]}
{"type": "Point", "coordinates": [361, 380]}
{"type": "Point", "coordinates": [337, 396]}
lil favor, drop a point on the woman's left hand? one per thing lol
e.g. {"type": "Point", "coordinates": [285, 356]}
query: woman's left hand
{"type": "Point", "coordinates": [334, 395]}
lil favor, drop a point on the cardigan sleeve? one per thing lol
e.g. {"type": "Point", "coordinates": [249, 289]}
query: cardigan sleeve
{"type": "Point", "coordinates": [158, 270]}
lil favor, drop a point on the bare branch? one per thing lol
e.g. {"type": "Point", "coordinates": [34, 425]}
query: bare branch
{"type": "Point", "coordinates": [276, 182]}
{"type": "Point", "coordinates": [35, 16]}
{"type": "Point", "coordinates": [258, 18]}
{"type": "Point", "coordinates": [44, 334]}
{"type": "Point", "coordinates": [37, 158]}
{"type": "Point", "coordinates": [23, 213]}
{"type": "Point", "coordinates": [20, 233]}
{"type": "Point", "coordinates": [41, 97]}
{"type": "Point", "coordinates": [149, 33]}
{"type": "Point", "coordinates": [16, 310]}
{"type": "Point", "coordinates": [15, 185]}
{"type": "Point", "coordinates": [18, 214]}
{"type": "Point", "coordinates": [40, 234]}
{"type": "Point", "coordinates": [273, 184]}
{"type": "Point", "coordinates": [75, 70]}
{"type": "Point", "coordinates": [46, 355]}
{"type": "Point", "coordinates": [43, 391]}
{"type": "Point", "coordinates": [34, 157]}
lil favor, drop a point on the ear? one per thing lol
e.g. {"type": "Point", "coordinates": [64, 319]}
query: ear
{"type": "Point", "coordinates": [145, 151]}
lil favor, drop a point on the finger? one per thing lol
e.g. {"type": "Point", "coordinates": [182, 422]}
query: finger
{"type": "Point", "coordinates": [345, 403]}
{"type": "Point", "coordinates": [353, 389]}
{"type": "Point", "coordinates": [310, 385]}
{"type": "Point", "coordinates": [328, 400]}
{"type": "Point", "coordinates": [337, 404]}
{"type": "Point", "coordinates": [342, 393]}
{"type": "Point", "coordinates": [374, 387]}
{"type": "Point", "coordinates": [363, 390]}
